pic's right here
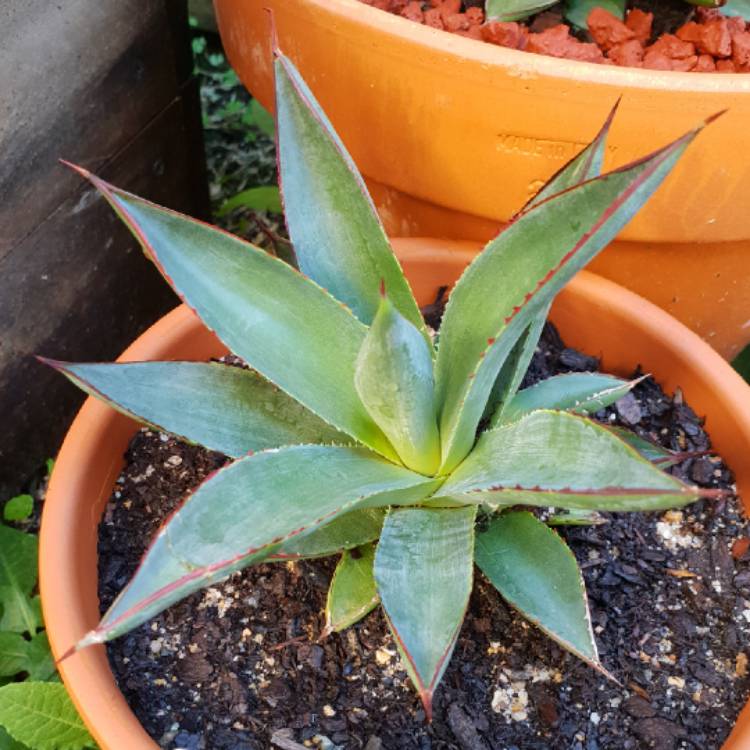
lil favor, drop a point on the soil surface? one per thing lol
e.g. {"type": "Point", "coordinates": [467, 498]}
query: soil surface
{"type": "Point", "coordinates": [239, 666]}
{"type": "Point", "coordinates": [654, 34]}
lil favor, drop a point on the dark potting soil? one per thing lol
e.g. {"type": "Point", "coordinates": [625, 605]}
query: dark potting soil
{"type": "Point", "coordinates": [239, 666]}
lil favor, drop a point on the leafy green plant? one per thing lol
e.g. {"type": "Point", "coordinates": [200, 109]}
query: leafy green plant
{"type": "Point", "coordinates": [355, 433]}
{"type": "Point", "coordinates": [35, 711]}
{"type": "Point", "coordinates": [239, 140]}
{"type": "Point", "coordinates": [18, 508]}
{"type": "Point", "coordinates": [577, 11]}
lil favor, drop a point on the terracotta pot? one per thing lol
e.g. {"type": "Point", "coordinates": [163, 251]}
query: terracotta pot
{"type": "Point", "coordinates": [454, 135]}
{"type": "Point", "coordinates": [594, 314]}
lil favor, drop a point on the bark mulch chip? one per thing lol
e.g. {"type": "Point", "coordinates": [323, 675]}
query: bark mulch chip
{"type": "Point", "coordinates": [240, 666]}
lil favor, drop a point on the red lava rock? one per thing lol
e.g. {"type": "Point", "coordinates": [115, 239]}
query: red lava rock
{"type": "Point", "coordinates": [672, 47]}
{"type": "Point", "coordinates": [434, 18]}
{"type": "Point", "coordinates": [712, 42]}
{"type": "Point", "coordinates": [656, 61]}
{"type": "Point", "coordinates": [629, 54]}
{"type": "Point", "coordinates": [690, 32]}
{"type": "Point", "coordinates": [736, 25]}
{"type": "Point", "coordinates": [506, 34]}
{"type": "Point", "coordinates": [685, 65]}
{"type": "Point", "coordinates": [413, 11]}
{"type": "Point", "coordinates": [473, 32]}
{"type": "Point", "coordinates": [447, 7]}
{"type": "Point", "coordinates": [717, 38]}
{"type": "Point", "coordinates": [741, 50]}
{"type": "Point", "coordinates": [557, 42]}
{"type": "Point", "coordinates": [608, 30]}
{"type": "Point", "coordinates": [640, 24]}
{"type": "Point", "coordinates": [456, 22]}
{"type": "Point", "coordinates": [705, 64]}
{"type": "Point", "coordinates": [475, 16]}
{"type": "Point", "coordinates": [669, 52]}
{"type": "Point", "coordinates": [740, 547]}
{"type": "Point", "coordinates": [545, 20]}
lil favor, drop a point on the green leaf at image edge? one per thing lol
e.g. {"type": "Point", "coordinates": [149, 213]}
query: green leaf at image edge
{"type": "Point", "coordinates": [8, 743]}
{"type": "Point", "coordinates": [42, 716]}
{"type": "Point", "coordinates": [18, 574]}
{"type": "Point", "coordinates": [14, 654]}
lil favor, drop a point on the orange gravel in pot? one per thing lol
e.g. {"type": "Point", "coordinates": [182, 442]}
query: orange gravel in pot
{"type": "Point", "coordinates": [710, 43]}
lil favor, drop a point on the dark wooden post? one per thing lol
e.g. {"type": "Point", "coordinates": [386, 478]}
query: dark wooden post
{"type": "Point", "coordinates": [106, 84]}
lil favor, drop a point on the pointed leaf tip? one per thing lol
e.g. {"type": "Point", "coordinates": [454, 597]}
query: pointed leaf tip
{"type": "Point", "coordinates": [76, 168]}
{"type": "Point", "coordinates": [55, 364]}
{"type": "Point", "coordinates": [712, 118]}
{"type": "Point", "coordinates": [273, 32]}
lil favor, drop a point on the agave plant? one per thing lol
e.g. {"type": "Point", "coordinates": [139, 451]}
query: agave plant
{"type": "Point", "coordinates": [354, 434]}
{"type": "Point", "coordinates": [577, 11]}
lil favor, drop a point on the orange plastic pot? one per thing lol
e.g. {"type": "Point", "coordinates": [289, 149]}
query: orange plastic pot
{"type": "Point", "coordinates": [594, 314]}
{"type": "Point", "coordinates": [454, 135]}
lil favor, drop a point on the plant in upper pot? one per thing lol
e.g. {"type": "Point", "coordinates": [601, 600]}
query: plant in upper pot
{"type": "Point", "coordinates": [356, 433]}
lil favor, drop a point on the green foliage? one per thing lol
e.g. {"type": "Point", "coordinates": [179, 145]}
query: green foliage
{"type": "Point", "coordinates": [18, 508]}
{"type": "Point", "coordinates": [514, 10]}
{"type": "Point", "coordinates": [366, 433]}
{"type": "Point", "coordinates": [35, 714]}
{"type": "Point", "coordinates": [18, 572]}
{"type": "Point", "coordinates": [241, 155]}
{"type": "Point", "coordinates": [263, 198]}
{"type": "Point", "coordinates": [40, 716]}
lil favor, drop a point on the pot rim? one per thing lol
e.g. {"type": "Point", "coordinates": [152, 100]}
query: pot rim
{"type": "Point", "coordinates": [530, 64]}
{"type": "Point", "coordinates": [68, 594]}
